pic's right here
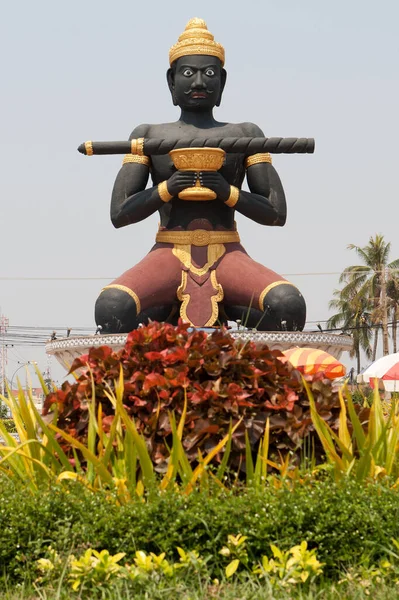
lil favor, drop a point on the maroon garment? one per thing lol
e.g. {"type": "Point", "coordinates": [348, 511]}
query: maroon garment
{"type": "Point", "coordinates": [157, 277]}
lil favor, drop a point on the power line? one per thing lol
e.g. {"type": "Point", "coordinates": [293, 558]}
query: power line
{"type": "Point", "coordinates": [57, 278]}
{"type": "Point", "coordinates": [33, 330]}
{"type": "Point", "coordinates": [357, 328]}
{"type": "Point", "coordinates": [45, 328]}
{"type": "Point", "coordinates": [304, 274]}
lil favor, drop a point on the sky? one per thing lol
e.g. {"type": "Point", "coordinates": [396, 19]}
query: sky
{"type": "Point", "coordinates": [74, 71]}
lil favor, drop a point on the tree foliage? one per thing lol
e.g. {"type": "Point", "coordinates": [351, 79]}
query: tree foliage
{"type": "Point", "coordinates": [368, 297]}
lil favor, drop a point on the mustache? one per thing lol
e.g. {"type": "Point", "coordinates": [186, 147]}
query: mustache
{"type": "Point", "coordinates": [203, 90]}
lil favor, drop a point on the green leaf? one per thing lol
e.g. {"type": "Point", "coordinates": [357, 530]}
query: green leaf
{"type": "Point", "coordinates": [232, 567]}
{"type": "Point", "coordinates": [89, 456]}
{"type": "Point", "coordinates": [356, 424]}
{"type": "Point", "coordinates": [144, 456]}
{"type": "Point", "coordinates": [177, 455]}
{"type": "Point", "coordinates": [53, 446]}
{"type": "Point", "coordinates": [260, 474]}
{"type": "Point", "coordinates": [43, 384]}
{"type": "Point", "coordinates": [324, 432]}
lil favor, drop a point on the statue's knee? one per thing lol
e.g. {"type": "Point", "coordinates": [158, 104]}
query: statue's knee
{"type": "Point", "coordinates": [116, 311]}
{"type": "Point", "coordinates": [285, 306]}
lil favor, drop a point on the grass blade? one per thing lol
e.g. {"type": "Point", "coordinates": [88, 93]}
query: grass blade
{"type": "Point", "coordinates": [249, 463]}
{"type": "Point", "coordinates": [199, 469]}
{"type": "Point", "coordinates": [223, 465]}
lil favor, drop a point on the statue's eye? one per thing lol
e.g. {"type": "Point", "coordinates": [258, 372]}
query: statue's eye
{"type": "Point", "coordinates": [188, 72]}
{"type": "Point", "coordinates": [209, 72]}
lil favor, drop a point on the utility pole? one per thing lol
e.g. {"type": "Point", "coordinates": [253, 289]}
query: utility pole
{"type": "Point", "coordinates": [4, 322]}
{"type": "Point", "coordinates": [47, 374]}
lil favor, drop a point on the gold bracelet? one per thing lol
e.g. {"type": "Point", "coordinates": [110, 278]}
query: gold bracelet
{"type": "Point", "coordinates": [135, 158]}
{"type": "Point", "coordinates": [234, 196]}
{"type": "Point", "coordinates": [163, 192]}
{"type": "Point", "coordinates": [258, 158]}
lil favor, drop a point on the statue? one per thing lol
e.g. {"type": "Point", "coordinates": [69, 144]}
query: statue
{"type": "Point", "coordinates": [197, 269]}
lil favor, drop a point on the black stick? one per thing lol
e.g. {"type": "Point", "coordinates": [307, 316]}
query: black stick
{"type": "Point", "coordinates": [242, 145]}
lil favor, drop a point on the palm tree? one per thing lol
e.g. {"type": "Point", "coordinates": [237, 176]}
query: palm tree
{"type": "Point", "coordinates": [353, 318]}
{"type": "Point", "coordinates": [393, 305]}
{"type": "Point", "coordinates": [369, 281]}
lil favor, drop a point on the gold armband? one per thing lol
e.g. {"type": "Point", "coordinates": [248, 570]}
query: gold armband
{"type": "Point", "coordinates": [234, 195]}
{"type": "Point", "coordinates": [135, 158]}
{"type": "Point", "coordinates": [89, 148]}
{"type": "Point", "coordinates": [137, 146]}
{"type": "Point", "coordinates": [258, 158]}
{"type": "Point", "coordinates": [163, 192]}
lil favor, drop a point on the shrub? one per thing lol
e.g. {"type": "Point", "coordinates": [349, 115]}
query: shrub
{"type": "Point", "coordinates": [346, 523]}
{"type": "Point", "coordinates": [225, 381]}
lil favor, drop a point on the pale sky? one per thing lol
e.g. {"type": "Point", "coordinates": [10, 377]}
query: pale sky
{"type": "Point", "coordinates": [73, 71]}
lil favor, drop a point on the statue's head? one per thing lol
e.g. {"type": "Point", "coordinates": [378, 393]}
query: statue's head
{"type": "Point", "coordinates": [196, 77]}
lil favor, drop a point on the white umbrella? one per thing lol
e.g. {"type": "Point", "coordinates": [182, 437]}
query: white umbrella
{"type": "Point", "coordinates": [385, 369]}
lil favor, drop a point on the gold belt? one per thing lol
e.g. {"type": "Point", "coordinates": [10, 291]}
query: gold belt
{"type": "Point", "coordinates": [198, 237]}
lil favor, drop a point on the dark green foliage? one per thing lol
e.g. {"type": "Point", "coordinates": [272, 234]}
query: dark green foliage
{"type": "Point", "coordinates": [363, 396]}
{"type": "Point", "coordinates": [3, 410]}
{"type": "Point", "coordinates": [345, 522]}
{"type": "Point", "coordinates": [9, 424]}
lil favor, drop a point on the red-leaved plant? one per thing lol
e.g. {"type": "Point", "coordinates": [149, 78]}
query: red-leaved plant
{"type": "Point", "coordinates": [223, 380]}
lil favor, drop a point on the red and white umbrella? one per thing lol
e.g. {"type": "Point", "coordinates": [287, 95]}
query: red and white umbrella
{"type": "Point", "coordinates": [385, 369]}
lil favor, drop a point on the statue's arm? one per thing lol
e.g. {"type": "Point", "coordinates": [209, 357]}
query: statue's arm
{"type": "Point", "coordinates": [265, 203]}
{"type": "Point", "coordinates": [131, 202]}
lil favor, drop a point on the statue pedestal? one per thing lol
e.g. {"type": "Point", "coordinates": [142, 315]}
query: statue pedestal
{"type": "Point", "coordinates": [67, 349]}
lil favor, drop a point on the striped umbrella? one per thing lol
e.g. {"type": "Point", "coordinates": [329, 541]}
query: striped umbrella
{"type": "Point", "coordinates": [385, 369]}
{"type": "Point", "coordinates": [311, 361]}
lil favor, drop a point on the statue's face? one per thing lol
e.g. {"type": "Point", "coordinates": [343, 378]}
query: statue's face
{"type": "Point", "coordinates": [197, 82]}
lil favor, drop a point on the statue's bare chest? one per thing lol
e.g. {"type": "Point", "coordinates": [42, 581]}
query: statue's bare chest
{"type": "Point", "coordinates": [162, 167]}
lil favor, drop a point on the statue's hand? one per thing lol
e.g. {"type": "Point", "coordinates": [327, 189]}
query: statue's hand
{"type": "Point", "coordinates": [181, 180]}
{"type": "Point", "coordinates": [217, 183]}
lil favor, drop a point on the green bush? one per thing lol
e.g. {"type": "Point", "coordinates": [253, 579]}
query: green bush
{"type": "Point", "coordinates": [345, 522]}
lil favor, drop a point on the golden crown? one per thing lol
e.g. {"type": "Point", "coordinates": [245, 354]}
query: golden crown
{"type": "Point", "coordinates": [196, 39]}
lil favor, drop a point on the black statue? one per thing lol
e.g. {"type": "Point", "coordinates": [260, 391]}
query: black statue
{"type": "Point", "coordinates": [197, 268]}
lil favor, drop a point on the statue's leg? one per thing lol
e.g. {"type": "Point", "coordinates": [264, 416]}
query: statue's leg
{"type": "Point", "coordinates": [147, 291]}
{"type": "Point", "coordinates": [261, 297]}
{"type": "Point", "coordinates": [117, 309]}
{"type": "Point", "coordinates": [167, 313]}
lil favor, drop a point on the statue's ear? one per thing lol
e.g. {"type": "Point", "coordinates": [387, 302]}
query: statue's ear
{"type": "Point", "coordinates": [223, 78]}
{"type": "Point", "coordinates": [170, 76]}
